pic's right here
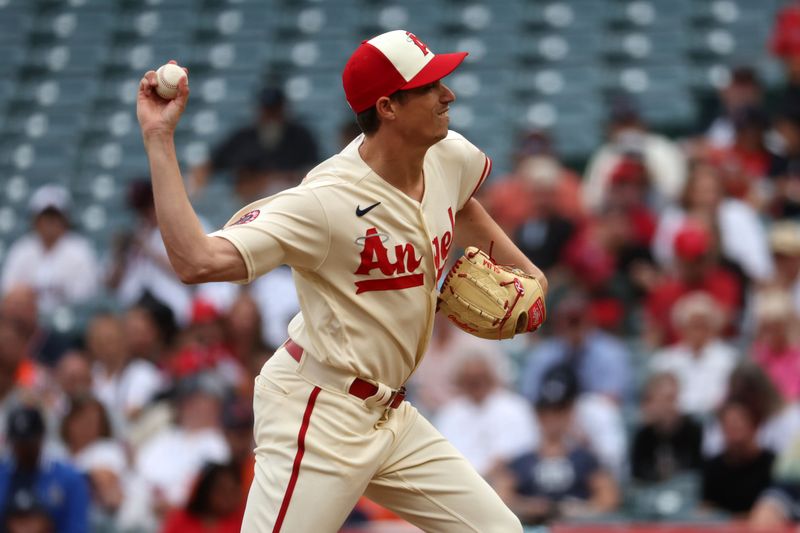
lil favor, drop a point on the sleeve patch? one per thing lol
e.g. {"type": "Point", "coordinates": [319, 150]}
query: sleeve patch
{"type": "Point", "coordinates": [247, 217]}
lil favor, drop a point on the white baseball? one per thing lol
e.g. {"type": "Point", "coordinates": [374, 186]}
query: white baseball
{"type": "Point", "coordinates": [168, 77]}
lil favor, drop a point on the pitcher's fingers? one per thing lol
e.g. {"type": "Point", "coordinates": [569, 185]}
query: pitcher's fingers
{"type": "Point", "coordinates": [152, 77]}
{"type": "Point", "coordinates": [144, 86]}
{"type": "Point", "coordinates": [183, 87]}
{"type": "Point", "coordinates": [183, 93]}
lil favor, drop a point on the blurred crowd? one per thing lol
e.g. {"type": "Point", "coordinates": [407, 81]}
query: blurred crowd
{"type": "Point", "coordinates": [664, 385]}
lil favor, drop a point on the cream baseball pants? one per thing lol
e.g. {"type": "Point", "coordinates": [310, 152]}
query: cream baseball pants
{"type": "Point", "coordinates": [319, 449]}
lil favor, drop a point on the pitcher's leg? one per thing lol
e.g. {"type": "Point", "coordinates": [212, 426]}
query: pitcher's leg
{"type": "Point", "coordinates": [429, 483]}
{"type": "Point", "coordinates": [299, 486]}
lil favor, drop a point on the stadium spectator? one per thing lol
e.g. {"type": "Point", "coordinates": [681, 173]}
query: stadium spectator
{"type": "Point", "coordinates": [170, 460]}
{"type": "Point", "coordinates": [215, 505]}
{"type": "Point", "coordinates": [277, 301]}
{"type": "Point", "coordinates": [55, 261]}
{"type": "Point", "coordinates": [244, 341]}
{"type": "Point", "coordinates": [738, 233]}
{"type": "Point", "coordinates": [609, 257]}
{"type": "Point", "coordinates": [696, 269]}
{"type": "Point", "coordinates": [779, 420]}
{"type": "Point", "coordinates": [785, 171]}
{"type": "Point", "coordinates": [784, 241]}
{"type": "Point", "coordinates": [700, 360]}
{"type": "Point", "coordinates": [668, 442]}
{"type": "Point", "coordinates": [431, 384]}
{"type": "Point", "coordinates": [123, 383]}
{"type": "Point", "coordinates": [733, 480]}
{"type": "Point", "coordinates": [543, 230]}
{"type": "Point", "coordinates": [264, 157]}
{"type": "Point", "coordinates": [776, 347]}
{"type": "Point", "coordinates": [150, 330]}
{"type": "Point", "coordinates": [785, 43]}
{"type": "Point", "coordinates": [86, 434]}
{"type": "Point", "coordinates": [601, 361]}
{"type": "Point", "coordinates": [628, 134]}
{"type": "Point", "coordinates": [139, 262]}
{"type": "Point", "coordinates": [742, 91]}
{"type": "Point", "coordinates": [485, 421]}
{"type": "Point", "coordinates": [55, 485]}
{"type": "Point", "coordinates": [539, 191]}
{"type": "Point", "coordinates": [745, 164]}
{"type": "Point", "coordinates": [21, 378]}
{"type": "Point", "coordinates": [777, 508]}
{"type": "Point", "coordinates": [629, 189]}
{"type": "Point", "coordinates": [19, 305]}
{"type": "Point", "coordinates": [558, 478]}
{"type": "Point", "coordinates": [779, 505]}
{"type": "Point", "coordinates": [203, 348]}
{"type": "Point", "coordinates": [72, 379]}
{"type": "Point", "coordinates": [23, 514]}
{"type": "Point", "coordinates": [237, 422]}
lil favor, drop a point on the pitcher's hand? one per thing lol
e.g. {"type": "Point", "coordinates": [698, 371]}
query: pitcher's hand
{"type": "Point", "coordinates": [156, 115]}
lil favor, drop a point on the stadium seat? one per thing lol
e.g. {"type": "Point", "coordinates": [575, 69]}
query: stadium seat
{"type": "Point", "coordinates": [136, 59]}
{"type": "Point", "coordinates": [236, 24]}
{"type": "Point", "coordinates": [173, 25]}
{"type": "Point", "coordinates": [72, 26]}
{"type": "Point", "coordinates": [14, 26]}
{"type": "Point", "coordinates": [65, 59]}
{"type": "Point", "coordinates": [57, 123]}
{"type": "Point", "coordinates": [13, 58]}
{"type": "Point", "coordinates": [58, 92]}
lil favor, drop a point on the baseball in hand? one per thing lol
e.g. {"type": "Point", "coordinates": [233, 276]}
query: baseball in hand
{"type": "Point", "coordinates": [168, 77]}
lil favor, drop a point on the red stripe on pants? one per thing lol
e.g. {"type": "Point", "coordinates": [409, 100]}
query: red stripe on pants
{"type": "Point", "coordinates": [298, 458]}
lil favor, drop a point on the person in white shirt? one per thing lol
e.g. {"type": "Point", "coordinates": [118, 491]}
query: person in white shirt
{"type": "Point", "coordinates": [784, 242]}
{"type": "Point", "coordinates": [742, 236]}
{"type": "Point", "coordinates": [664, 160]}
{"type": "Point", "coordinates": [700, 360]}
{"type": "Point", "coordinates": [170, 460]}
{"type": "Point", "coordinates": [432, 385]}
{"type": "Point", "coordinates": [55, 261]}
{"type": "Point", "coordinates": [123, 384]}
{"type": "Point", "coordinates": [485, 421]}
{"type": "Point", "coordinates": [139, 262]}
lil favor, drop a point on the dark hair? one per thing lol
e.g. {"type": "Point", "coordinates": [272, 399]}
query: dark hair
{"type": "Point", "coordinates": [751, 385]}
{"type": "Point", "coordinates": [161, 315]}
{"type": "Point", "coordinates": [198, 504]}
{"type": "Point", "coordinates": [745, 75]}
{"type": "Point", "coordinates": [77, 405]}
{"type": "Point", "coordinates": [738, 402]}
{"type": "Point", "coordinates": [368, 120]}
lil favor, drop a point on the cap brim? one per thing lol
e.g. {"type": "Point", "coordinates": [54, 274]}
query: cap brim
{"type": "Point", "coordinates": [437, 68]}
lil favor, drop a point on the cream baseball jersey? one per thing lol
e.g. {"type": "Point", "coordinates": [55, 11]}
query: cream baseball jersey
{"type": "Point", "coordinates": [366, 257]}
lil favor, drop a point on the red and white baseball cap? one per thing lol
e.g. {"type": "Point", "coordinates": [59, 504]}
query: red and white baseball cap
{"type": "Point", "coordinates": [391, 62]}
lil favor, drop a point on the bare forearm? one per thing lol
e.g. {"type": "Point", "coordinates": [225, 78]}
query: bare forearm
{"type": "Point", "coordinates": [474, 227]}
{"type": "Point", "coordinates": [180, 228]}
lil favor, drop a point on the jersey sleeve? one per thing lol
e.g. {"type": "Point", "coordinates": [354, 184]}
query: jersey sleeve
{"type": "Point", "coordinates": [289, 228]}
{"type": "Point", "coordinates": [474, 166]}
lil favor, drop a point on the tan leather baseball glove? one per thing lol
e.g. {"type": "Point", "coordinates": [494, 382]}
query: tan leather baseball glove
{"type": "Point", "coordinates": [489, 300]}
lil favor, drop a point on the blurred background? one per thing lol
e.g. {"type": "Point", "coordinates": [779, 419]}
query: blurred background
{"type": "Point", "coordinates": [646, 156]}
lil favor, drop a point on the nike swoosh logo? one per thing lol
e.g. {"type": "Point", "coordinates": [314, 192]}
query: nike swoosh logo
{"type": "Point", "coordinates": [361, 212]}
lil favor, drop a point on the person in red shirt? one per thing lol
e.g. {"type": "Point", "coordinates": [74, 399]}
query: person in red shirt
{"type": "Point", "coordinates": [785, 40]}
{"type": "Point", "coordinates": [747, 160]}
{"type": "Point", "coordinates": [696, 269]}
{"type": "Point", "coordinates": [215, 505]}
{"type": "Point", "coordinates": [517, 197]}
